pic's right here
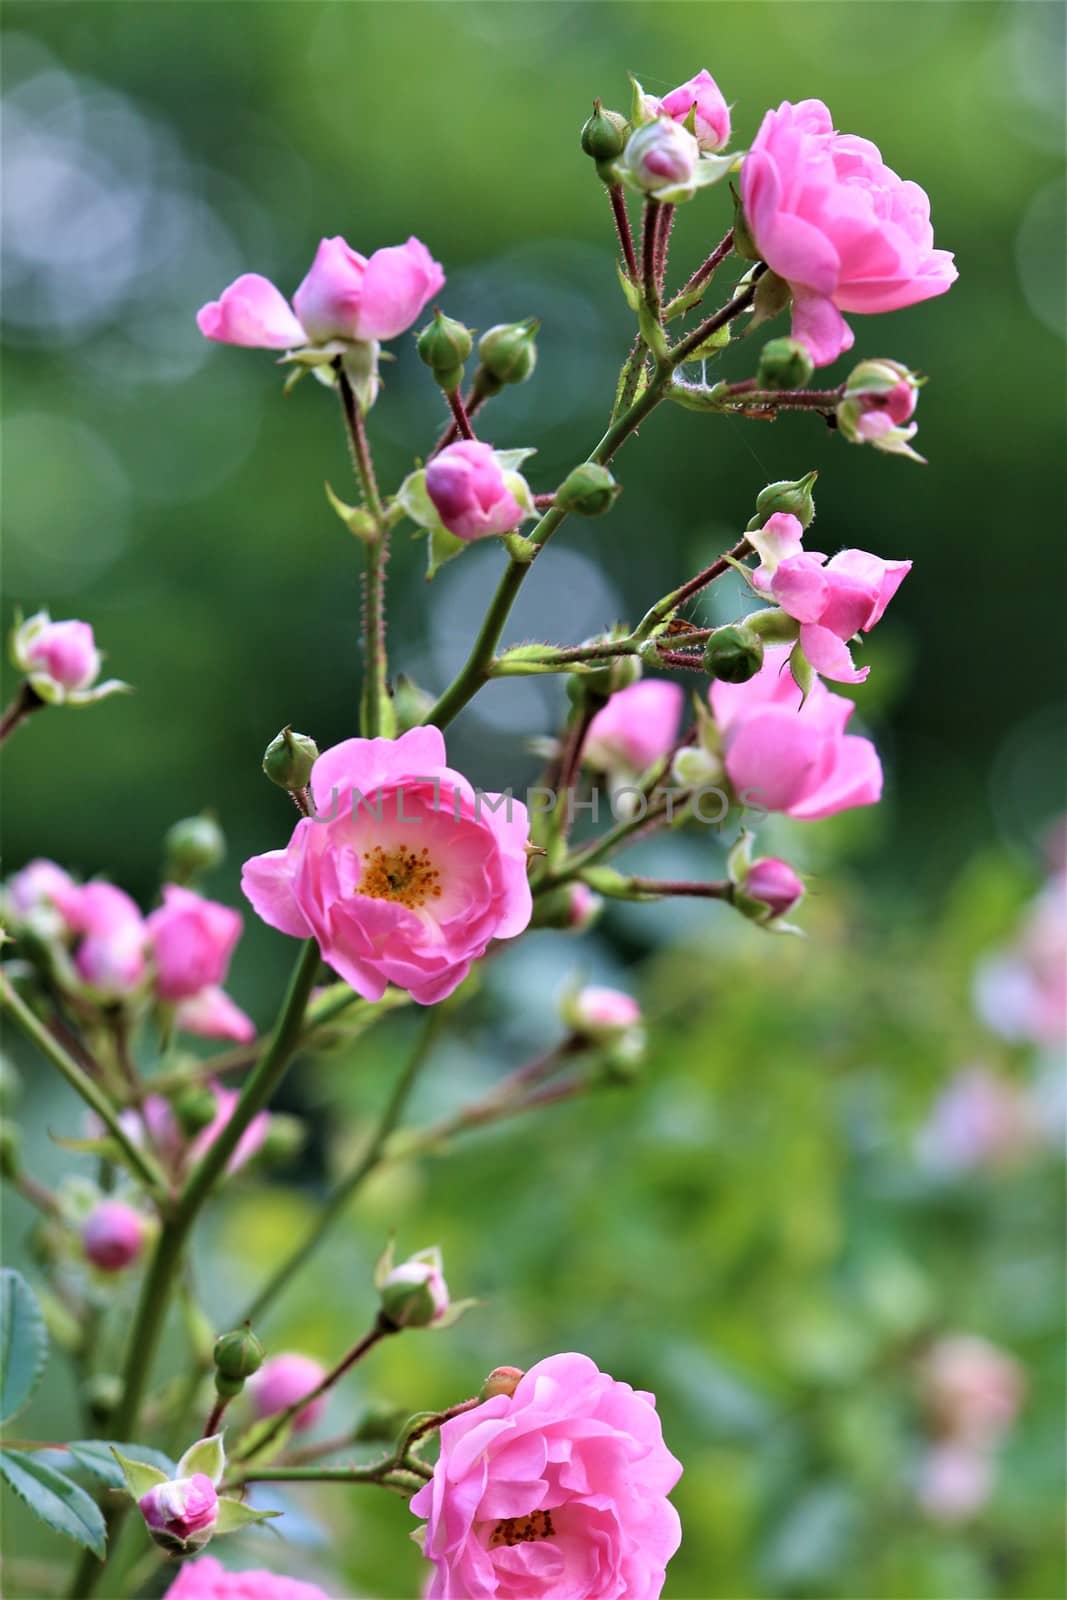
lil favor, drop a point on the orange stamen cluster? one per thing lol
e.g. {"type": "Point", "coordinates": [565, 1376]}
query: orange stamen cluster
{"type": "Point", "coordinates": [404, 876]}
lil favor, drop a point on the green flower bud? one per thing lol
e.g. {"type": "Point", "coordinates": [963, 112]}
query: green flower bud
{"type": "Point", "coordinates": [195, 1109]}
{"type": "Point", "coordinates": [588, 491]}
{"type": "Point", "coordinates": [784, 364]}
{"type": "Point", "coordinates": [193, 846]}
{"type": "Point", "coordinates": [237, 1355]}
{"type": "Point", "coordinates": [508, 351]}
{"type": "Point", "coordinates": [733, 654]}
{"type": "Point", "coordinates": [444, 344]}
{"type": "Point", "coordinates": [289, 758]}
{"type": "Point", "coordinates": [411, 704]}
{"type": "Point", "coordinates": [502, 1380]}
{"type": "Point", "coordinates": [604, 134]}
{"type": "Point", "coordinates": [794, 497]}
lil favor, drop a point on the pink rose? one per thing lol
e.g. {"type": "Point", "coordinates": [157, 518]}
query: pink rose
{"type": "Point", "coordinates": [711, 113]}
{"type": "Point", "coordinates": [784, 753]}
{"type": "Point", "coordinates": [638, 726]}
{"type": "Point", "coordinates": [972, 1389]}
{"type": "Point", "coordinates": [405, 874]}
{"type": "Point", "coordinates": [470, 491]}
{"type": "Point", "coordinates": [113, 1235]}
{"type": "Point", "coordinates": [838, 225]}
{"type": "Point", "coordinates": [192, 941]}
{"type": "Point", "coordinates": [833, 600]}
{"type": "Point", "coordinates": [344, 296]}
{"type": "Point", "coordinates": [781, 537]}
{"type": "Point", "coordinates": [64, 652]}
{"type": "Point", "coordinates": [559, 1489]}
{"type": "Point", "coordinates": [207, 1579]}
{"type": "Point", "coordinates": [281, 1382]}
{"type": "Point", "coordinates": [182, 1512]}
{"type": "Point", "coordinates": [774, 884]}
{"type": "Point", "coordinates": [111, 955]}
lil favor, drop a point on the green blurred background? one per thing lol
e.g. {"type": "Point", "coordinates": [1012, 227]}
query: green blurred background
{"type": "Point", "coordinates": [745, 1233]}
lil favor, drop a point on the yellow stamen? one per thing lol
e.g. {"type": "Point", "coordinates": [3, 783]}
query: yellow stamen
{"type": "Point", "coordinates": [405, 876]}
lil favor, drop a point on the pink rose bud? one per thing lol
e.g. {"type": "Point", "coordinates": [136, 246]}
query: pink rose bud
{"type": "Point", "coordinates": [415, 1294]}
{"type": "Point", "coordinates": [584, 907]}
{"type": "Point", "coordinates": [405, 875]}
{"type": "Point", "coordinates": [774, 885]}
{"type": "Point", "coordinates": [208, 1579]}
{"type": "Point", "coordinates": [36, 896]}
{"type": "Point", "coordinates": [661, 155]}
{"type": "Point", "coordinates": [785, 753]}
{"type": "Point", "coordinates": [502, 1380]}
{"type": "Point", "coordinates": [638, 726]}
{"type": "Point", "coordinates": [111, 955]}
{"type": "Point", "coordinates": [557, 1489]}
{"type": "Point", "coordinates": [64, 652]}
{"type": "Point", "coordinates": [700, 95]}
{"type": "Point", "coordinates": [113, 1236]}
{"type": "Point", "coordinates": [192, 940]}
{"type": "Point", "coordinates": [879, 400]}
{"type": "Point", "coordinates": [602, 1014]}
{"type": "Point", "coordinates": [839, 226]}
{"type": "Point", "coordinates": [181, 1514]}
{"type": "Point", "coordinates": [281, 1382]}
{"type": "Point", "coordinates": [211, 1014]}
{"type": "Point", "coordinates": [470, 491]}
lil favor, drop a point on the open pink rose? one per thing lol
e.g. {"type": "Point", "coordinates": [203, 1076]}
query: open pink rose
{"type": "Point", "coordinates": [833, 600]}
{"type": "Point", "coordinates": [784, 753]}
{"type": "Point", "coordinates": [344, 296]}
{"type": "Point", "coordinates": [192, 942]}
{"type": "Point", "coordinates": [404, 875]}
{"type": "Point", "coordinates": [471, 493]}
{"type": "Point", "coordinates": [638, 726]}
{"type": "Point", "coordinates": [557, 1490]}
{"type": "Point", "coordinates": [843, 230]}
{"type": "Point", "coordinates": [207, 1579]}
{"type": "Point", "coordinates": [702, 96]}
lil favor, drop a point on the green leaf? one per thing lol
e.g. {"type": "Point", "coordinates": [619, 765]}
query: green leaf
{"type": "Point", "coordinates": [63, 1505]}
{"type": "Point", "coordinates": [442, 546]}
{"type": "Point", "coordinates": [101, 1459]}
{"type": "Point", "coordinates": [206, 1456]}
{"type": "Point", "coordinates": [234, 1514]}
{"type": "Point", "coordinates": [138, 1476]}
{"type": "Point", "coordinates": [23, 1343]}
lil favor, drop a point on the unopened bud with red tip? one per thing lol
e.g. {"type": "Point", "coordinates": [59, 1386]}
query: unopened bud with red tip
{"type": "Point", "coordinates": [601, 1015]}
{"type": "Point", "coordinates": [191, 847]}
{"type": "Point", "coordinates": [878, 403]}
{"type": "Point", "coordinates": [289, 758]}
{"type": "Point", "coordinates": [444, 344]}
{"type": "Point", "coordinates": [784, 364]}
{"type": "Point", "coordinates": [237, 1356]}
{"type": "Point", "coordinates": [770, 889]}
{"type": "Point", "coordinates": [181, 1514]}
{"type": "Point", "coordinates": [588, 491]}
{"type": "Point", "coordinates": [604, 134]}
{"type": "Point", "coordinates": [733, 654]}
{"type": "Point", "coordinates": [793, 496]}
{"type": "Point", "coordinates": [414, 1294]}
{"type": "Point", "coordinates": [502, 1380]}
{"type": "Point", "coordinates": [508, 352]}
{"type": "Point", "coordinates": [113, 1236]}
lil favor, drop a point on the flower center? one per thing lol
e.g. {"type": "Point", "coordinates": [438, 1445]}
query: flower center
{"type": "Point", "coordinates": [406, 876]}
{"type": "Point", "coordinates": [522, 1530]}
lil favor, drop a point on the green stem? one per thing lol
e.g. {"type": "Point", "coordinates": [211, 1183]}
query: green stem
{"type": "Point", "coordinates": [375, 664]}
{"type": "Point", "coordinates": [477, 670]}
{"type": "Point", "coordinates": [684, 349]}
{"type": "Point", "coordinates": [155, 1290]}
{"type": "Point", "coordinates": [150, 1173]}
{"type": "Point", "coordinates": [342, 1192]}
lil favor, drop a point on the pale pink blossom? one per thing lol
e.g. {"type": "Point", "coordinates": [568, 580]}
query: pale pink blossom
{"type": "Point", "coordinates": [113, 1235]}
{"type": "Point", "coordinates": [661, 154]}
{"type": "Point", "coordinates": [843, 230]}
{"type": "Point", "coordinates": [248, 1145]}
{"type": "Point", "coordinates": [471, 491]}
{"type": "Point", "coordinates": [1022, 992]}
{"type": "Point", "coordinates": [786, 753]}
{"type": "Point", "coordinates": [192, 940]}
{"type": "Point", "coordinates": [404, 875]}
{"type": "Point", "coordinates": [207, 1579]}
{"type": "Point", "coordinates": [774, 884]}
{"type": "Point", "coordinates": [955, 1481]}
{"type": "Point", "coordinates": [111, 955]}
{"type": "Point", "coordinates": [638, 726]}
{"type": "Point", "coordinates": [557, 1490]}
{"type": "Point", "coordinates": [702, 96]}
{"type": "Point", "coordinates": [65, 652]}
{"type": "Point", "coordinates": [781, 537]}
{"type": "Point", "coordinates": [281, 1382]}
{"type": "Point", "coordinates": [601, 1012]}
{"type": "Point", "coordinates": [35, 896]}
{"type": "Point", "coordinates": [980, 1120]}
{"type": "Point", "coordinates": [345, 296]}
{"type": "Point", "coordinates": [834, 600]}
{"type": "Point", "coordinates": [211, 1014]}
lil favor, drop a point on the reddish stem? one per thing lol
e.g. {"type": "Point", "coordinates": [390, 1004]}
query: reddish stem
{"type": "Point", "coordinates": [461, 421]}
{"type": "Point", "coordinates": [622, 225]}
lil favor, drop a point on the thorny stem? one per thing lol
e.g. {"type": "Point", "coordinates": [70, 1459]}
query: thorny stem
{"type": "Point", "coordinates": [375, 686]}
{"type": "Point", "coordinates": [787, 399]}
{"type": "Point", "coordinates": [622, 226]}
{"type": "Point", "coordinates": [149, 1172]}
{"type": "Point", "coordinates": [703, 274]}
{"type": "Point", "coordinates": [663, 243]}
{"type": "Point", "coordinates": [480, 391]}
{"type": "Point", "coordinates": [650, 254]}
{"type": "Point", "coordinates": [685, 347]}
{"type": "Point", "coordinates": [381, 1330]}
{"type": "Point", "coordinates": [25, 703]}
{"type": "Point", "coordinates": [343, 1191]}
{"type": "Point", "coordinates": [459, 413]}
{"type": "Point", "coordinates": [659, 613]}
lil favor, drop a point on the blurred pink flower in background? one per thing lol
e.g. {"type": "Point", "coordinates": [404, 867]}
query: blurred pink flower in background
{"type": "Point", "coordinates": [1022, 992]}
{"type": "Point", "coordinates": [207, 1579]}
{"type": "Point", "coordinates": [280, 1383]}
{"type": "Point", "coordinates": [638, 726]}
{"type": "Point", "coordinates": [979, 1120]}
